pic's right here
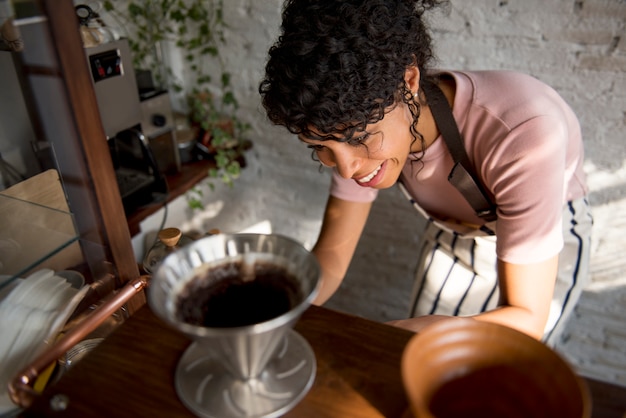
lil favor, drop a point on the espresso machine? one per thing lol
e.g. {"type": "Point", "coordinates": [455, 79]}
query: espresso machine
{"type": "Point", "coordinates": [140, 179]}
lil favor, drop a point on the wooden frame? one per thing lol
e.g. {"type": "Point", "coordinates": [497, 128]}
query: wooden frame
{"type": "Point", "coordinates": [77, 80]}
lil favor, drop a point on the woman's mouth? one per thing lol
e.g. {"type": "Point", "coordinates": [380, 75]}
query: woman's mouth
{"type": "Point", "coordinates": [372, 178]}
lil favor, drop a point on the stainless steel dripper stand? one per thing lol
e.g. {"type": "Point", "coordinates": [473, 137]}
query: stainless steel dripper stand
{"type": "Point", "coordinates": [259, 370]}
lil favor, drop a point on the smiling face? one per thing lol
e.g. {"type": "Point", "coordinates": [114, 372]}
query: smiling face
{"type": "Point", "coordinates": [375, 157]}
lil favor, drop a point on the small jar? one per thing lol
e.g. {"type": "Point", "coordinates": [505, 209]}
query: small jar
{"type": "Point", "coordinates": [169, 240]}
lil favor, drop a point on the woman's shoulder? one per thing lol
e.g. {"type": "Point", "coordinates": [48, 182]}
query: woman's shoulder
{"type": "Point", "coordinates": [492, 78]}
{"type": "Point", "coordinates": [502, 86]}
{"type": "Point", "coordinates": [510, 96]}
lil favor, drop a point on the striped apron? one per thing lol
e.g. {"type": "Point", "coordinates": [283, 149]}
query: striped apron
{"type": "Point", "coordinates": [457, 268]}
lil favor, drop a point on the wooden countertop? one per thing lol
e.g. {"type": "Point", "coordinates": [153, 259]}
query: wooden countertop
{"type": "Point", "coordinates": [130, 374]}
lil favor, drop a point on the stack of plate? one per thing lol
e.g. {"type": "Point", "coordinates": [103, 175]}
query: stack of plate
{"type": "Point", "coordinates": [32, 313]}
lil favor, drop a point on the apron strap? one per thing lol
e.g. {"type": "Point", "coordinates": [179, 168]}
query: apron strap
{"type": "Point", "coordinates": [463, 175]}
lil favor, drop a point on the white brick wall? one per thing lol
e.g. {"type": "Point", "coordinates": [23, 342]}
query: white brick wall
{"type": "Point", "coordinates": [577, 46]}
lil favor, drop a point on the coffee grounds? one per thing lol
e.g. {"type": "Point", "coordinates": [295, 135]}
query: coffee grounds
{"type": "Point", "coordinates": [224, 297]}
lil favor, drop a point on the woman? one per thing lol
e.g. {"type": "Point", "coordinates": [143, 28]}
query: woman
{"type": "Point", "coordinates": [353, 80]}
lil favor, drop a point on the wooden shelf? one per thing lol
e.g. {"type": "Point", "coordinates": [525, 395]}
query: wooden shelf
{"type": "Point", "coordinates": [178, 184]}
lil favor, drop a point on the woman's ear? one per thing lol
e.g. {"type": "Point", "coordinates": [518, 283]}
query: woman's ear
{"type": "Point", "coordinates": [412, 78]}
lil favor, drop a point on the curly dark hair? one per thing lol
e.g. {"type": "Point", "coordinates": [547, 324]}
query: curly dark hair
{"type": "Point", "coordinates": [339, 65]}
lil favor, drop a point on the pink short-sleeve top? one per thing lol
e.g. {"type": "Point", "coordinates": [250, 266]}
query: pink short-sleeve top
{"type": "Point", "coordinates": [525, 143]}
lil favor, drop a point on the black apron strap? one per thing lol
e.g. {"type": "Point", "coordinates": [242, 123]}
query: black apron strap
{"type": "Point", "coordinates": [463, 176]}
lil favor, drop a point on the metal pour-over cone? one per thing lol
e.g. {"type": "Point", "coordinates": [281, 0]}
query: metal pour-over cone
{"type": "Point", "coordinates": [259, 369]}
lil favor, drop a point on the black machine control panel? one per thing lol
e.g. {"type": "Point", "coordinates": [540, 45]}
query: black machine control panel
{"type": "Point", "coordinates": [105, 65]}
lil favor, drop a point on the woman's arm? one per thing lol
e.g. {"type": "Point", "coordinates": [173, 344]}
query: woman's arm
{"type": "Point", "coordinates": [525, 298]}
{"type": "Point", "coordinates": [340, 233]}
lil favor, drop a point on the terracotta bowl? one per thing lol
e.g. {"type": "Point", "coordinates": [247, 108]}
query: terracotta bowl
{"type": "Point", "coordinates": [476, 369]}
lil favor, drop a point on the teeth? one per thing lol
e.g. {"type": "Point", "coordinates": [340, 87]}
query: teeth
{"type": "Point", "coordinates": [370, 176]}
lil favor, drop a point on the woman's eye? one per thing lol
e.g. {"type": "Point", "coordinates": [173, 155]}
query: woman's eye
{"type": "Point", "coordinates": [359, 140]}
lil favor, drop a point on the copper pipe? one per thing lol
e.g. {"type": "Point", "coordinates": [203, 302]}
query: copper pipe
{"type": "Point", "coordinates": [21, 389]}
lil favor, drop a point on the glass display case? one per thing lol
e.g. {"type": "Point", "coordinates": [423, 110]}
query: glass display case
{"type": "Point", "coordinates": [31, 236]}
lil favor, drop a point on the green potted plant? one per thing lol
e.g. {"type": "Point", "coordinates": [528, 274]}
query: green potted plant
{"type": "Point", "coordinates": [195, 28]}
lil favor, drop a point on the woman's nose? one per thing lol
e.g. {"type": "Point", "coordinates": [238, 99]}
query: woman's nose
{"type": "Point", "coordinates": [346, 161]}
